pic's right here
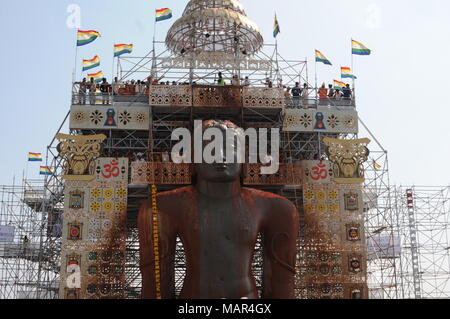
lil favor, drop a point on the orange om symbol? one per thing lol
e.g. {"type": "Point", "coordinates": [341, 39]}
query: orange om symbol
{"type": "Point", "coordinates": [319, 172]}
{"type": "Point", "coordinates": [111, 169]}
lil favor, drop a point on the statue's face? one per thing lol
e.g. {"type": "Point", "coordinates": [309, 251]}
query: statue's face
{"type": "Point", "coordinates": [220, 172]}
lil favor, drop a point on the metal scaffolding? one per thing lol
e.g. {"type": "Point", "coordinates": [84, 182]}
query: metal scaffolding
{"type": "Point", "coordinates": [29, 262]}
{"type": "Point", "coordinates": [407, 237]}
{"type": "Point", "coordinates": [423, 218]}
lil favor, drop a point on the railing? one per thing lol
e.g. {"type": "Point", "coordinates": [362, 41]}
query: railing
{"type": "Point", "coordinates": [205, 96]}
{"type": "Point", "coordinates": [217, 96]}
{"type": "Point", "coordinates": [310, 103]}
{"type": "Point", "coordinates": [92, 99]}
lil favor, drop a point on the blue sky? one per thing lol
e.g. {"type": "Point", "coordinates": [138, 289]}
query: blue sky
{"type": "Point", "coordinates": [402, 86]}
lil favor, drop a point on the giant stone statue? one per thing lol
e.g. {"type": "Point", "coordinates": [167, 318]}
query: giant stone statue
{"type": "Point", "coordinates": [218, 222]}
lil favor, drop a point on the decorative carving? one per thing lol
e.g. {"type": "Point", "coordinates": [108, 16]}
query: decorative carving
{"type": "Point", "coordinates": [95, 235]}
{"type": "Point", "coordinates": [110, 117]}
{"type": "Point", "coordinates": [288, 174]}
{"type": "Point", "coordinates": [317, 172]}
{"type": "Point", "coordinates": [354, 263]}
{"type": "Point", "coordinates": [75, 231]}
{"type": "Point", "coordinates": [72, 293]}
{"type": "Point", "coordinates": [353, 232]}
{"type": "Point", "coordinates": [351, 201]}
{"type": "Point", "coordinates": [323, 120]}
{"type": "Point", "coordinates": [76, 199]}
{"type": "Point", "coordinates": [215, 62]}
{"type": "Point", "coordinates": [171, 95]}
{"type": "Point", "coordinates": [79, 153]}
{"type": "Point", "coordinates": [348, 157]}
{"type": "Point", "coordinates": [108, 169]}
{"type": "Point", "coordinates": [217, 96]}
{"type": "Point", "coordinates": [144, 173]}
{"type": "Point", "coordinates": [73, 259]}
{"type": "Point", "coordinates": [263, 97]}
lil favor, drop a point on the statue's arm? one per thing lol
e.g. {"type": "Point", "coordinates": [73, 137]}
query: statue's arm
{"type": "Point", "coordinates": [167, 242]}
{"type": "Point", "coordinates": [280, 239]}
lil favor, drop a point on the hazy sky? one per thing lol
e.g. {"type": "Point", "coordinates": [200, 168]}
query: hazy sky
{"type": "Point", "coordinates": [402, 86]}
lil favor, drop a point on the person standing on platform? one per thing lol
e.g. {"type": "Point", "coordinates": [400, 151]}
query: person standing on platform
{"type": "Point", "coordinates": [82, 92]}
{"type": "Point", "coordinates": [296, 94]}
{"type": "Point", "coordinates": [92, 91]}
{"type": "Point", "coordinates": [220, 81]}
{"type": "Point", "coordinates": [323, 92]}
{"type": "Point", "coordinates": [287, 92]}
{"type": "Point", "coordinates": [116, 86]}
{"type": "Point", "coordinates": [235, 81]}
{"type": "Point", "coordinates": [330, 91]}
{"type": "Point", "coordinates": [246, 81]}
{"type": "Point", "coordinates": [104, 89]}
{"type": "Point", "coordinates": [337, 94]}
{"type": "Point", "coordinates": [347, 92]}
{"type": "Point", "coordinates": [305, 92]}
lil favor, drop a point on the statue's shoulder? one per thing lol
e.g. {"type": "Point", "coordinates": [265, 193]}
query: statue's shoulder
{"type": "Point", "coordinates": [179, 193]}
{"type": "Point", "coordinates": [256, 193]}
{"type": "Point", "coordinates": [175, 199]}
{"type": "Point", "coordinates": [179, 197]}
{"type": "Point", "coordinates": [275, 203]}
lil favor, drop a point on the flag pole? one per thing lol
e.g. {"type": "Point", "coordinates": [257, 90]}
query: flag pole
{"type": "Point", "coordinates": [153, 73]}
{"type": "Point", "coordinates": [74, 75]}
{"type": "Point", "coordinates": [277, 74]}
{"type": "Point", "coordinates": [315, 74]}
{"type": "Point", "coordinates": [113, 60]}
{"type": "Point", "coordinates": [353, 70]}
{"type": "Point", "coordinates": [26, 170]}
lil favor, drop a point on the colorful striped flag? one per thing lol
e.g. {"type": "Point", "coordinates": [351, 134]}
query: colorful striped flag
{"type": "Point", "coordinates": [359, 48]}
{"type": "Point", "coordinates": [321, 58]}
{"type": "Point", "coordinates": [338, 84]}
{"type": "Point", "coordinates": [34, 157]}
{"type": "Point", "coordinates": [276, 28]}
{"type": "Point", "coordinates": [376, 165]}
{"type": "Point", "coordinates": [46, 170]}
{"type": "Point", "coordinates": [163, 14]}
{"type": "Point", "coordinates": [120, 49]}
{"type": "Point", "coordinates": [86, 37]}
{"type": "Point", "coordinates": [98, 77]}
{"type": "Point", "coordinates": [347, 73]}
{"type": "Point", "coordinates": [90, 64]}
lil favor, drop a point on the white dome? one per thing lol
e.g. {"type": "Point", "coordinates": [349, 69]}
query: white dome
{"type": "Point", "coordinates": [214, 26]}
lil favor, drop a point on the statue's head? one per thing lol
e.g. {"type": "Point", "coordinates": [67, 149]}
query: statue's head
{"type": "Point", "coordinates": [225, 171]}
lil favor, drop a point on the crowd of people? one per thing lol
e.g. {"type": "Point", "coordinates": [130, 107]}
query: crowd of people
{"type": "Point", "coordinates": [90, 90]}
{"type": "Point", "coordinates": [323, 92]}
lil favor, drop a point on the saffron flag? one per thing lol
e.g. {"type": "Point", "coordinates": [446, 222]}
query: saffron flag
{"type": "Point", "coordinates": [120, 49]}
{"type": "Point", "coordinates": [321, 58]}
{"type": "Point", "coordinates": [359, 48]}
{"type": "Point", "coordinates": [90, 64]}
{"type": "Point", "coordinates": [34, 157]}
{"type": "Point", "coordinates": [163, 14]}
{"type": "Point", "coordinates": [347, 73]}
{"type": "Point", "coordinates": [339, 84]}
{"type": "Point", "coordinates": [376, 165]}
{"type": "Point", "coordinates": [276, 28]}
{"type": "Point", "coordinates": [46, 170]}
{"type": "Point", "coordinates": [86, 37]}
{"type": "Point", "coordinates": [98, 77]}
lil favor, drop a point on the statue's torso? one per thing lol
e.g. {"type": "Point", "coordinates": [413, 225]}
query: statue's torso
{"type": "Point", "coordinates": [219, 239]}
